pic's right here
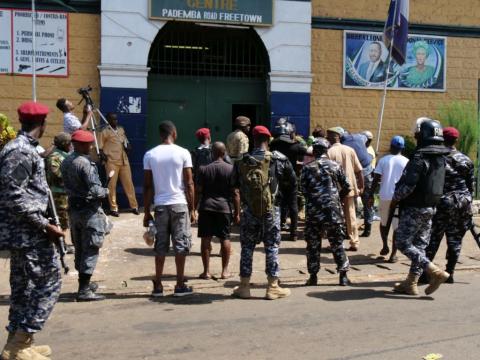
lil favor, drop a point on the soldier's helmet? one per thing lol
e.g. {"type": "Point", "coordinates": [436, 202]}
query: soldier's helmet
{"type": "Point", "coordinates": [431, 131]}
{"type": "Point", "coordinates": [418, 123]}
{"type": "Point", "coordinates": [320, 144]}
{"type": "Point", "coordinates": [282, 127]}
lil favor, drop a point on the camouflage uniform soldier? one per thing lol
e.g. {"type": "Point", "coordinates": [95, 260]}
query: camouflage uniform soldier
{"type": "Point", "coordinates": [454, 213]}
{"type": "Point", "coordinates": [88, 222]}
{"type": "Point", "coordinates": [286, 143]}
{"type": "Point", "coordinates": [258, 175]}
{"type": "Point", "coordinates": [324, 184]}
{"type": "Point", "coordinates": [25, 231]}
{"type": "Point", "coordinates": [62, 144]}
{"type": "Point", "coordinates": [418, 192]}
{"type": "Point", "coordinates": [237, 141]}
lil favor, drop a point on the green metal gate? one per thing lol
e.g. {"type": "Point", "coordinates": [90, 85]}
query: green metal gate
{"type": "Point", "coordinates": [204, 77]}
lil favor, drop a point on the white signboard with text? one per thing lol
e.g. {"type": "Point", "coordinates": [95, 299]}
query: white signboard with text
{"type": "Point", "coordinates": [5, 41]}
{"type": "Point", "coordinates": [51, 48]}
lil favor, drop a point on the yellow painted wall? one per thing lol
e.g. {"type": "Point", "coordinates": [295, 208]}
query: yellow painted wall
{"type": "Point", "coordinates": [358, 109]}
{"type": "Point", "coordinates": [463, 12]}
{"type": "Point", "coordinates": [84, 57]}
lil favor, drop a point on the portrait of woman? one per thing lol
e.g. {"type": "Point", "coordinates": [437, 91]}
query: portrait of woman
{"type": "Point", "coordinates": [421, 74]}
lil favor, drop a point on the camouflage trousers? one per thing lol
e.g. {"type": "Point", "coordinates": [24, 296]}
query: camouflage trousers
{"type": "Point", "coordinates": [61, 204]}
{"type": "Point", "coordinates": [335, 236]}
{"type": "Point", "coordinates": [88, 231]}
{"type": "Point", "coordinates": [413, 236]}
{"type": "Point", "coordinates": [367, 210]}
{"type": "Point", "coordinates": [35, 282]}
{"type": "Point", "coordinates": [454, 223]}
{"type": "Point", "coordinates": [255, 230]}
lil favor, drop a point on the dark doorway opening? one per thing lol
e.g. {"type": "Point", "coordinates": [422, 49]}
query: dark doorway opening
{"type": "Point", "coordinates": [249, 110]}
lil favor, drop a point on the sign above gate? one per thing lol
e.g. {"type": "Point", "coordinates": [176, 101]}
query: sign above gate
{"type": "Point", "coordinates": [235, 12]}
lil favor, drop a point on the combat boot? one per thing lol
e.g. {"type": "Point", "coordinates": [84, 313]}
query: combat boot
{"type": "Point", "coordinates": [89, 295]}
{"type": "Point", "coordinates": [274, 291]}
{"type": "Point", "coordinates": [343, 279]}
{"type": "Point", "coordinates": [44, 350]}
{"type": "Point", "coordinates": [86, 290]}
{"type": "Point", "coordinates": [19, 347]}
{"type": "Point", "coordinates": [436, 277]}
{"type": "Point", "coordinates": [407, 286]}
{"type": "Point", "coordinates": [367, 230]}
{"type": "Point", "coordinates": [312, 280]}
{"type": "Point", "coordinates": [450, 268]}
{"type": "Point", "coordinates": [242, 291]}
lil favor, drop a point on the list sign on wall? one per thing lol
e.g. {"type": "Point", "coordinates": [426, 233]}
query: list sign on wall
{"type": "Point", "coordinates": [51, 42]}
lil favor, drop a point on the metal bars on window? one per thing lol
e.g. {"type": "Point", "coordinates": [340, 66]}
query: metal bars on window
{"type": "Point", "coordinates": [186, 49]}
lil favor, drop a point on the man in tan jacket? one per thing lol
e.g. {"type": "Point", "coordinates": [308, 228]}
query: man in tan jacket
{"type": "Point", "coordinates": [347, 158]}
{"type": "Point", "coordinates": [114, 145]}
{"type": "Point", "coordinates": [237, 141]}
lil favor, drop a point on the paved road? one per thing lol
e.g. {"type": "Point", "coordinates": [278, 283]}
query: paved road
{"type": "Point", "coordinates": [365, 321]}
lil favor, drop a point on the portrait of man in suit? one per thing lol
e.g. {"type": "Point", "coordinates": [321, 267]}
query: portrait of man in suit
{"type": "Point", "coordinates": [374, 69]}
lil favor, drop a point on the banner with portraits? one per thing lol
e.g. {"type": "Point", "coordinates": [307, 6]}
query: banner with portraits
{"type": "Point", "coordinates": [365, 60]}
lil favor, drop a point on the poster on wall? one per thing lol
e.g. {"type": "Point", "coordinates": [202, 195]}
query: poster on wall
{"type": "Point", "coordinates": [365, 61]}
{"type": "Point", "coordinates": [5, 41]}
{"type": "Point", "coordinates": [51, 48]}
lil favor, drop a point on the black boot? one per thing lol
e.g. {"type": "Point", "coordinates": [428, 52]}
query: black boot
{"type": "Point", "coordinates": [312, 280]}
{"type": "Point", "coordinates": [367, 230]}
{"type": "Point", "coordinates": [450, 279]}
{"type": "Point", "coordinates": [423, 279]}
{"type": "Point", "coordinates": [343, 280]}
{"type": "Point", "coordinates": [452, 259]}
{"type": "Point", "coordinates": [86, 291]}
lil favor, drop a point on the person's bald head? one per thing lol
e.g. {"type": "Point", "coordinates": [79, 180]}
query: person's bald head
{"type": "Point", "coordinates": [218, 150]}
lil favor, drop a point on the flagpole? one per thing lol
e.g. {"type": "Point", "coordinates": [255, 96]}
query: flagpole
{"type": "Point", "coordinates": [34, 61]}
{"type": "Point", "coordinates": [384, 98]}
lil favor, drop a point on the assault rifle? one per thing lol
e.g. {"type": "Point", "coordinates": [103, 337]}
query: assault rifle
{"type": "Point", "coordinates": [391, 215]}
{"type": "Point", "coordinates": [60, 241]}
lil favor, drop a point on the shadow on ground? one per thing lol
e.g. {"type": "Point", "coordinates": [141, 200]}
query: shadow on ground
{"type": "Point", "coordinates": [362, 294]}
{"type": "Point", "coordinates": [151, 253]}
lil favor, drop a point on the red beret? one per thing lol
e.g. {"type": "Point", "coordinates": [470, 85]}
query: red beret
{"type": "Point", "coordinates": [261, 130]}
{"type": "Point", "coordinates": [83, 136]}
{"type": "Point", "coordinates": [31, 111]}
{"type": "Point", "coordinates": [450, 133]}
{"type": "Point", "coordinates": [202, 134]}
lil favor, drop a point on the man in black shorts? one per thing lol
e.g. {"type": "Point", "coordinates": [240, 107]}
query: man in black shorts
{"type": "Point", "coordinates": [214, 192]}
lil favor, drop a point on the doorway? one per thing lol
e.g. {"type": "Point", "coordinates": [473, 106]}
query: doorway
{"type": "Point", "coordinates": [204, 77]}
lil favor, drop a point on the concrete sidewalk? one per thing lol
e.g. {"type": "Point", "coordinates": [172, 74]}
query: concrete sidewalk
{"type": "Point", "coordinates": [127, 263]}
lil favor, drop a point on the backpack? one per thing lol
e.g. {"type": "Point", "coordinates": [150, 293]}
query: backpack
{"type": "Point", "coordinates": [200, 157]}
{"type": "Point", "coordinates": [434, 181]}
{"type": "Point", "coordinates": [256, 184]}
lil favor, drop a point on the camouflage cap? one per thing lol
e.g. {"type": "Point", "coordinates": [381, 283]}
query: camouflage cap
{"type": "Point", "coordinates": [242, 121]}
{"type": "Point", "coordinates": [337, 129]}
{"type": "Point", "coordinates": [320, 143]}
{"type": "Point", "coordinates": [62, 139]}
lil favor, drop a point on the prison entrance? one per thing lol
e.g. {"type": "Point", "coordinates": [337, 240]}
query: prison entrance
{"type": "Point", "coordinates": [205, 76]}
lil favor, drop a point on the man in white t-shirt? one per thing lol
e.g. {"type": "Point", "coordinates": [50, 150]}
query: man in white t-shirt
{"type": "Point", "coordinates": [71, 122]}
{"type": "Point", "coordinates": [388, 171]}
{"type": "Point", "coordinates": [168, 186]}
